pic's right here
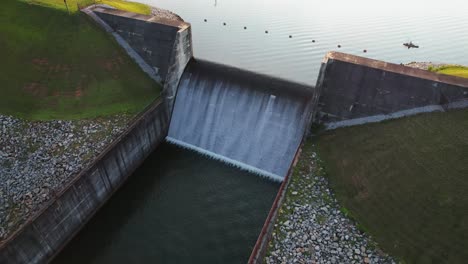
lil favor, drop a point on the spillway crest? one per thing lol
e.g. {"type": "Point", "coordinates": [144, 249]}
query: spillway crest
{"type": "Point", "coordinates": [247, 120]}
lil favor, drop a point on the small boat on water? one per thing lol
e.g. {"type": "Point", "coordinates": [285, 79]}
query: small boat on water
{"type": "Point", "coordinates": [410, 45]}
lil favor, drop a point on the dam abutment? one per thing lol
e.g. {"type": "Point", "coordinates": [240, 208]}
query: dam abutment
{"type": "Point", "coordinates": [354, 90]}
{"type": "Point", "coordinates": [162, 50]}
{"type": "Point", "coordinates": [162, 47]}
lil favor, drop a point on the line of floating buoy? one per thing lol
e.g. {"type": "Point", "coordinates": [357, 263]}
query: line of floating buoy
{"type": "Point", "coordinates": [290, 36]}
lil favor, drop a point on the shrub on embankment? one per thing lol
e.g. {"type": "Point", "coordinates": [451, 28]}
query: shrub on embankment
{"type": "Point", "coordinates": [405, 181]}
{"type": "Point", "coordinates": [61, 66]}
{"type": "Point", "coordinates": [455, 70]}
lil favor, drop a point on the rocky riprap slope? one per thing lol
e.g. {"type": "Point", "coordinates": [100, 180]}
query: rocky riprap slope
{"type": "Point", "coordinates": [424, 65]}
{"type": "Point", "coordinates": [37, 159]}
{"type": "Point", "coordinates": [311, 228]}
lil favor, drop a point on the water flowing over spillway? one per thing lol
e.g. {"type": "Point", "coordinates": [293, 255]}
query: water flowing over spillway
{"type": "Point", "coordinates": [247, 120]}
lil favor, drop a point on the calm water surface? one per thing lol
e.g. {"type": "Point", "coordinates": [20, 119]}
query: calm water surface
{"type": "Point", "coordinates": [178, 207]}
{"type": "Point", "coordinates": [380, 27]}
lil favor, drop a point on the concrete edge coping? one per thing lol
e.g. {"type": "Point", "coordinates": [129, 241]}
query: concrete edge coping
{"type": "Point", "coordinates": [396, 68]}
{"type": "Point", "coordinates": [136, 120]}
{"type": "Point", "coordinates": [396, 115]}
{"type": "Point", "coordinates": [146, 18]}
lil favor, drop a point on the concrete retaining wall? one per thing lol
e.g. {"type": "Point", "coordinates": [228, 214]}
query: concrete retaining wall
{"type": "Point", "coordinates": [157, 43]}
{"type": "Point", "coordinates": [261, 246]}
{"type": "Point", "coordinates": [164, 46]}
{"type": "Point", "coordinates": [351, 87]}
{"type": "Point", "coordinates": [151, 37]}
{"type": "Point", "coordinates": [182, 53]}
{"type": "Point", "coordinates": [42, 237]}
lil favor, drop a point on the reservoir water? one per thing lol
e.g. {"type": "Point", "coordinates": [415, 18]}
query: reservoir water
{"type": "Point", "coordinates": [178, 207]}
{"type": "Point", "coordinates": [380, 27]}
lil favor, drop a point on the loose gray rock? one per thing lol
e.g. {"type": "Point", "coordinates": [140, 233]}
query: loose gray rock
{"type": "Point", "coordinates": [316, 231]}
{"type": "Point", "coordinates": [37, 160]}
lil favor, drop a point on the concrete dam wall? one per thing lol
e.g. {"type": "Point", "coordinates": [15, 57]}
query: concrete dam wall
{"type": "Point", "coordinates": [151, 37]}
{"type": "Point", "coordinates": [161, 47]}
{"type": "Point", "coordinates": [42, 237]}
{"type": "Point", "coordinates": [251, 121]}
{"type": "Point", "coordinates": [353, 90]}
{"type": "Point", "coordinates": [245, 119]}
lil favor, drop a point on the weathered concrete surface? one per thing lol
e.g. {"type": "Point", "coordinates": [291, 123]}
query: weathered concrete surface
{"type": "Point", "coordinates": [44, 235]}
{"type": "Point", "coordinates": [151, 50]}
{"type": "Point", "coordinates": [162, 47]}
{"type": "Point", "coordinates": [148, 69]}
{"type": "Point", "coordinates": [151, 37]}
{"type": "Point", "coordinates": [38, 157]}
{"type": "Point", "coordinates": [353, 87]}
{"type": "Point", "coordinates": [182, 53]}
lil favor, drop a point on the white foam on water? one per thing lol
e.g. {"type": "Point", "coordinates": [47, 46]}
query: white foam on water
{"type": "Point", "coordinates": [239, 119]}
{"type": "Point", "coordinates": [223, 159]}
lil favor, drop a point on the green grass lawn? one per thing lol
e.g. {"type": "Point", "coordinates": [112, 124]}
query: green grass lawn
{"type": "Point", "coordinates": [406, 182]}
{"type": "Point", "coordinates": [73, 5]}
{"type": "Point", "coordinates": [456, 70]}
{"type": "Point", "coordinates": [60, 66]}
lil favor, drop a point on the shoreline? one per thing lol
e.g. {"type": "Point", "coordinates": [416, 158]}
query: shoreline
{"type": "Point", "coordinates": [424, 65]}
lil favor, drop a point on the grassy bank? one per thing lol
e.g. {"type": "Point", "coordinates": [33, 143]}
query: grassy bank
{"type": "Point", "coordinates": [60, 66]}
{"type": "Point", "coordinates": [73, 5]}
{"type": "Point", "coordinates": [455, 70]}
{"type": "Point", "coordinates": [405, 181]}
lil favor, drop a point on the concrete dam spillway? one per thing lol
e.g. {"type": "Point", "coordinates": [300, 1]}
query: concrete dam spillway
{"type": "Point", "coordinates": [251, 121]}
{"type": "Point", "coordinates": [179, 206]}
{"type": "Point", "coordinates": [245, 119]}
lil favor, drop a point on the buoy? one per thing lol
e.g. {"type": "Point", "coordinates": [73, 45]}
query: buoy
{"type": "Point", "coordinates": [266, 31]}
{"type": "Point", "coordinates": [245, 27]}
{"type": "Point", "coordinates": [205, 20]}
{"type": "Point", "coordinates": [313, 41]}
{"type": "Point", "coordinates": [224, 23]}
{"type": "Point", "coordinates": [290, 36]}
{"type": "Point", "coordinates": [339, 46]}
{"type": "Point", "coordinates": [365, 51]}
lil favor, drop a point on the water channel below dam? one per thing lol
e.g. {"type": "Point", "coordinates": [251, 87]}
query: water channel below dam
{"type": "Point", "coordinates": [178, 207]}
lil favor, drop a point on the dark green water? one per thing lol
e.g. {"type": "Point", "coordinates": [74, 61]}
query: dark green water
{"type": "Point", "coordinates": [178, 207]}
